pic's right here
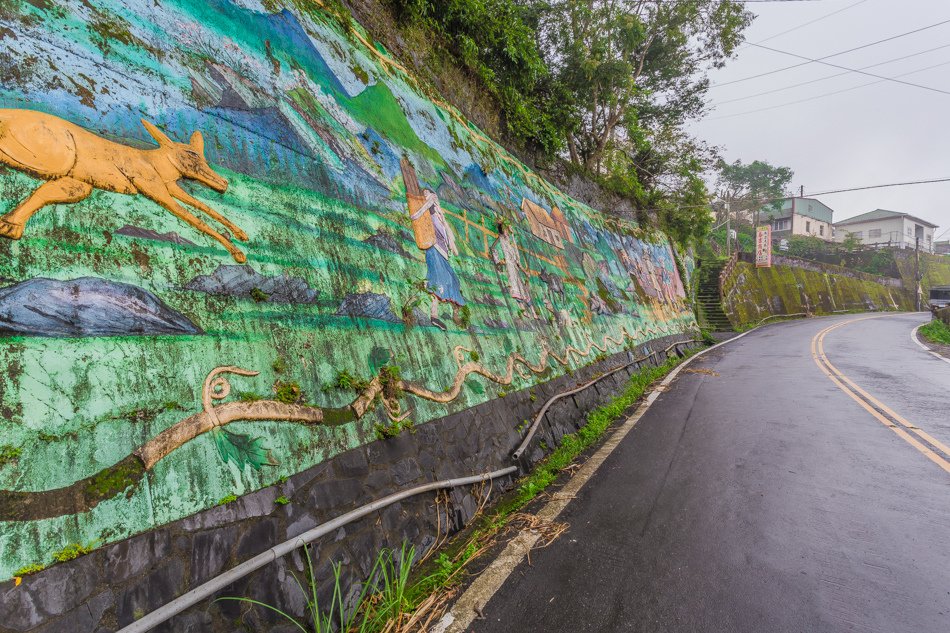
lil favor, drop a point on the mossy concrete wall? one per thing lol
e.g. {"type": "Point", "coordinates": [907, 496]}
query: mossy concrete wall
{"type": "Point", "coordinates": [156, 360]}
{"type": "Point", "coordinates": [934, 269]}
{"type": "Point", "coordinates": [751, 294]}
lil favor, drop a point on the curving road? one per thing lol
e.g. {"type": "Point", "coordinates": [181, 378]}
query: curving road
{"type": "Point", "coordinates": [788, 485]}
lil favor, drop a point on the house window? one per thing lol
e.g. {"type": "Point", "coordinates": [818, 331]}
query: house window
{"type": "Point", "coordinates": [782, 224]}
{"type": "Point", "coordinates": [821, 229]}
{"type": "Point", "coordinates": [858, 235]}
{"type": "Point", "coordinates": [874, 233]}
{"type": "Point", "coordinates": [910, 232]}
{"type": "Point", "coordinates": [807, 226]}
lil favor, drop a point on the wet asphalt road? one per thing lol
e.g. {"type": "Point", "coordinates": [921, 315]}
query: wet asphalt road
{"type": "Point", "coordinates": [761, 499]}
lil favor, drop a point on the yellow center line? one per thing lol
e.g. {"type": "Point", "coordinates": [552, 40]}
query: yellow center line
{"type": "Point", "coordinates": [840, 380]}
{"type": "Point", "coordinates": [880, 405]}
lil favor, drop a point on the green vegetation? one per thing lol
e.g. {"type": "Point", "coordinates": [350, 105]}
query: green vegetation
{"type": "Point", "coordinates": [936, 332]}
{"type": "Point", "coordinates": [783, 290]}
{"type": "Point", "coordinates": [754, 188]}
{"type": "Point", "coordinates": [73, 550]}
{"type": "Point", "coordinates": [279, 365]}
{"type": "Point", "coordinates": [9, 454]}
{"type": "Point", "coordinates": [227, 499]}
{"type": "Point", "coordinates": [281, 500]}
{"type": "Point", "coordinates": [111, 481]}
{"type": "Point", "coordinates": [382, 605]}
{"type": "Point", "coordinates": [287, 392]}
{"type": "Point", "coordinates": [598, 421]}
{"type": "Point", "coordinates": [394, 428]}
{"type": "Point", "coordinates": [258, 295]}
{"type": "Point", "coordinates": [446, 571]}
{"type": "Point", "coordinates": [388, 599]}
{"type": "Point", "coordinates": [348, 382]}
{"type": "Point", "coordinates": [610, 85]}
{"type": "Point", "coordinates": [496, 41]}
{"type": "Point", "coordinates": [391, 379]}
{"type": "Point", "coordinates": [29, 569]}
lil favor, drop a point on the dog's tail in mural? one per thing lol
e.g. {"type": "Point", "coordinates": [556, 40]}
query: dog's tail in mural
{"type": "Point", "coordinates": [74, 161]}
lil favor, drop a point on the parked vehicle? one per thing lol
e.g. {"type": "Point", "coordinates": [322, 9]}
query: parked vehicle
{"type": "Point", "coordinates": [939, 297]}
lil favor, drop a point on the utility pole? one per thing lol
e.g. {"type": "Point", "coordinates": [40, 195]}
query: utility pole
{"type": "Point", "coordinates": [728, 232]}
{"type": "Point", "coordinates": [801, 191]}
{"type": "Point", "coordinates": [917, 272]}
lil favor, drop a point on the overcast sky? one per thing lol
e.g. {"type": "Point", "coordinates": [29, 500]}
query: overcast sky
{"type": "Point", "coordinates": [881, 133]}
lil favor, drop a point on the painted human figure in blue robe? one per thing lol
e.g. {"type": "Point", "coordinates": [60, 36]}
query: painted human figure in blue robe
{"type": "Point", "coordinates": [441, 281]}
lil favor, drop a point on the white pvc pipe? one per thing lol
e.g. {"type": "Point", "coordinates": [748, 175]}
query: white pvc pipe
{"type": "Point", "coordinates": [209, 588]}
{"type": "Point", "coordinates": [206, 590]}
{"type": "Point", "coordinates": [537, 419]}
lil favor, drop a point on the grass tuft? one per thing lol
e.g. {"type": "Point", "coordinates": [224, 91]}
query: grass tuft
{"type": "Point", "coordinates": [936, 332]}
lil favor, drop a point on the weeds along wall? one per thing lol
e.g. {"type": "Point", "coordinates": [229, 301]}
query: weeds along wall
{"type": "Point", "coordinates": [239, 239]}
{"type": "Point", "coordinates": [934, 269]}
{"type": "Point", "coordinates": [751, 294]}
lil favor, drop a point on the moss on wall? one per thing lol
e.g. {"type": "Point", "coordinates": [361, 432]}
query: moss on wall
{"type": "Point", "coordinates": [934, 269]}
{"type": "Point", "coordinates": [751, 294]}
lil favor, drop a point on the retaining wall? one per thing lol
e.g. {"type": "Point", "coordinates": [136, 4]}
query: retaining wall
{"type": "Point", "coordinates": [116, 584]}
{"type": "Point", "coordinates": [227, 287]}
{"type": "Point", "coordinates": [750, 294]}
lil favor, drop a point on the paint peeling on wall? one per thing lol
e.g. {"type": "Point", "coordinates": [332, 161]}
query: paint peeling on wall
{"type": "Point", "coordinates": [237, 239]}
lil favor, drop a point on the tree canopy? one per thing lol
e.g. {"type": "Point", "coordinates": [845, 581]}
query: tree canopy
{"type": "Point", "coordinates": [608, 85]}
{"type": "Point", "coordinates": [747, 188]}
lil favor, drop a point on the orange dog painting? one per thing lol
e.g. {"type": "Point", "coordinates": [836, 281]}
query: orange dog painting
{"type": "Point", "coordinates": [74, 161]}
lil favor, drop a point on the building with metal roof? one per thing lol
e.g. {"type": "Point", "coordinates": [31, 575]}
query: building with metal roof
{"type": "Point", "coordinates": [884, 228]}
{"type": "Point", "coordinates": [799, 216]}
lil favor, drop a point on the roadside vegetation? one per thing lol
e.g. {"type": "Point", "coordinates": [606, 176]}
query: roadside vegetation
{"type": "Point", "coordinates": [936, 332]}
{"type": "Point", "coordinates": [401, 595]}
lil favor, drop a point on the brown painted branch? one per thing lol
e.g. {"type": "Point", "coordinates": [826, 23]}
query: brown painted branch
{"type": "Point", "coordinates": [188, 429]}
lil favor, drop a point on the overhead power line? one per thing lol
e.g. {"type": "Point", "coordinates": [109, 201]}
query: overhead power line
{"type": "Point", "coordinates": [809, 23]}
{"type": "Point", "coordinates": [893, 184]}
{"type": "Point", "coordinates": [823, 95]}
{"type": "Point", "coordinates": [819, 60]}
{"type": "Point", "coordinates": [854, 70]}
{"type": "Point", "coordinates": [762, 201]}
{"type": "Point", "coordinates": [841, 74]}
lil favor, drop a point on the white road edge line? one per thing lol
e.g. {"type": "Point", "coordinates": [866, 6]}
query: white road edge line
{"type": "Point", "coordinates": [913, 337]}
{"type": "Point", "coordinates": [471, 602]}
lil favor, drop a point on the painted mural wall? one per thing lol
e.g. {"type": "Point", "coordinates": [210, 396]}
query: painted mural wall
{"type": "Point", "coordinates": [238, 238]}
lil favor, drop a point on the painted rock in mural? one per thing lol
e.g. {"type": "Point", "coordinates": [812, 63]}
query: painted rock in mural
{"type": "Point", "coordinates": [242, 281]}
{"type": "Point", "coordinates": [87, 306]}
{"type": "Point", "coordinates": [369, 305]}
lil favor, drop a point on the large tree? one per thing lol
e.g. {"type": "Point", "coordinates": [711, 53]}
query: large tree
{"type": "Point", "coordinates": [748, 188]}
{"type": "Point", "coordinates": [633, 65]}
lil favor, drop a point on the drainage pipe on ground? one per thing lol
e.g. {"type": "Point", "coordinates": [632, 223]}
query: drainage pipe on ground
{"type": "Point", "coordinates": [564, 394]}
{"type": "Point", "coordinates": [234, 574]}
{"type": "Point", "coordinates": [209, 588]}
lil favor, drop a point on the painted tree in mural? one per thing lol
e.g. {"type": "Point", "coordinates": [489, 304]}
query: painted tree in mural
{"type": "Point", "coordinates": [136, 350]}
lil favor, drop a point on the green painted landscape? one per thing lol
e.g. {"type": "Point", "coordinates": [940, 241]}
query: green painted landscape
{"type": "Point", "coordinates": [338, 321]}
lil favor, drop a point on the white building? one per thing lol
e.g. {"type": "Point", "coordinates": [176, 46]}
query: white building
{"type": "Point", "coordinates": [887, 228]}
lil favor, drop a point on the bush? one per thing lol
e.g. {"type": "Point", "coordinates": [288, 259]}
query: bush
{"type": "Point", "coordinates": [495, 40]}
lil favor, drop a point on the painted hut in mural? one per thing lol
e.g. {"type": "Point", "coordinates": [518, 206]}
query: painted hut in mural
{"type": "Point", "coordinates": [550, 228]}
